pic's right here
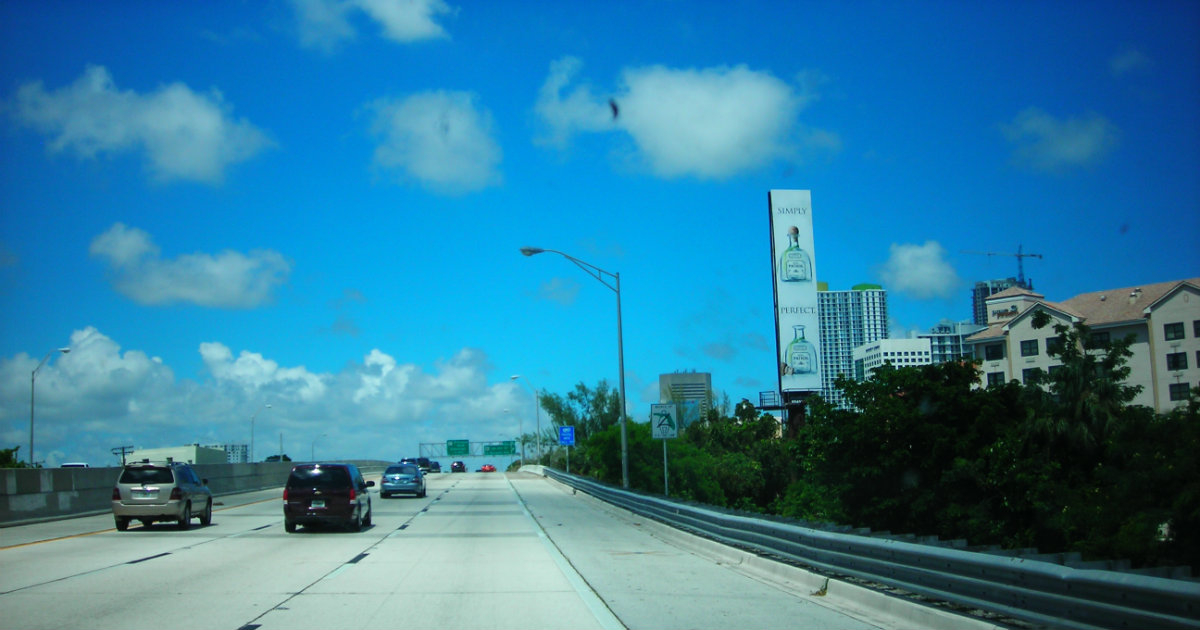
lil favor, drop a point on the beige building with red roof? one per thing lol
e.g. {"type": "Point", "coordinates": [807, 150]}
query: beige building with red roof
{"type": "Point", "coordinates": [1164, 319]}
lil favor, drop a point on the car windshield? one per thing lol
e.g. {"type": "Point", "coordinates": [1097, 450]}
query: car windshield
{"type": "Point", "coordinates": [401, 470]}
{"type": "Point", "coordinates": [315, 477]}
{"type": "Point", "coordinates": [147, 474]}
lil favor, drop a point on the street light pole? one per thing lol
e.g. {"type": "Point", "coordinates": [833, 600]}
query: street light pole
{"type": "Point", "coordinates": [599, 274]}
{"type": "Point", "coordinates": [267, 406]}
{"type": "Point", "coordinates": [537, 410]}
{"type": "Point", "coordinates": [32, 388]}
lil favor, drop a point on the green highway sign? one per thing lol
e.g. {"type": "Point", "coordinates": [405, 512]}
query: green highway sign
{"type": "Point", "coordinates": [502, 448]}
{"type": "Point", "coordinates": [458, 447]}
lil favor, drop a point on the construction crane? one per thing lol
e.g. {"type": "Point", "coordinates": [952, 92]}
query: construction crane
{"type": "Point", "coordinates": [1020, 260]}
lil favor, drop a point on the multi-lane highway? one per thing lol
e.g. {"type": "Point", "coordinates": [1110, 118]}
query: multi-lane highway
{"type": "Point", "coordinates": [480, 551]}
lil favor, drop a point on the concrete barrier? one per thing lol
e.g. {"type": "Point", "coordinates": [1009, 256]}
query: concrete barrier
{"type": "Point", "coordinates": [29, 495]}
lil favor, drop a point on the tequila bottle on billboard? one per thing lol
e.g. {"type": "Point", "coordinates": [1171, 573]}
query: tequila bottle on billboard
{"type": "Point", "coordinates": [794, 263]}
{"type": "Point", "coordinates": [801, 355]}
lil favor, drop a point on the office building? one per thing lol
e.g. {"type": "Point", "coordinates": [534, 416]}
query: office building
{"type": "Point", "coordinates": [848, 319]}
{"type": "Point", "coordinates": [1163, 318]}
{"type": "Point", "coordinates": [985, 289]}
{"type": "Point", "coordinates": [946, 340]}
{"type": "Point", "coordinates": [234, 453]}
{"type": "Point", "coordinates": [190, 454]}
{"type": "Point", "coordinates": [691, 390]}
{"type": "Point", "coordinates": [899, 352]}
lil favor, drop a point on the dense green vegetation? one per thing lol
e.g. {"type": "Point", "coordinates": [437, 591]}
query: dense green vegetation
{"type": "Point", "coordinates": [1064, 463]}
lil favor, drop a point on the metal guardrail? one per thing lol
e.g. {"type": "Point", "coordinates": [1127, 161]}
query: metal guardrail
{"type": "Point", "coordinates": [1030, 590]}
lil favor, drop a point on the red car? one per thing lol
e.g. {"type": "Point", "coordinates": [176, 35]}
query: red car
{"type": "Point", "coordinates": [487, 468]}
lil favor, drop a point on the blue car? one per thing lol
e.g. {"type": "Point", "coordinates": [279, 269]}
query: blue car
{"type": "Point", "coordinates": [402, 479]}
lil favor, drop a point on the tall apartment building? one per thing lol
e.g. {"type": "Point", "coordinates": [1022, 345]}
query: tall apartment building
{"type": "Point", "coordinates": [985, 289]}
{"type": "Point", "coordinates": [692, 390]}
{"type": "Point", "coordinates": [947, 340]}
{"type": "Point", "coordinates": [848, 320]}
{"type": "Point", "coordinates": [1164, 319]}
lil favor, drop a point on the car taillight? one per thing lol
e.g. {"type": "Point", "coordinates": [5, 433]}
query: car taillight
{"type": "Point", "coordinates": [285, 494]}
{"type": "Point", "coordinates": [351, 494]}
{"type": "Point", "coordinates": [116, 494]}
{"type": "Point", "coordinates": [176, 494]}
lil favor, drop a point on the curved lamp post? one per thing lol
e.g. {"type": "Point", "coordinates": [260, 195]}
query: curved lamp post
{"type": "Point", "coordinates": [32, 387]}
{"type": "Point", "coordinates": [537, 410]}
{"type": "Point", "coordinates": [600, 275]}
{"type": "Point", "coordinates": [266, 406]}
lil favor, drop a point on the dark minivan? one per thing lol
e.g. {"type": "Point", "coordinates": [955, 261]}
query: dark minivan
{"type": "Point", "coordinates": [326, 494]}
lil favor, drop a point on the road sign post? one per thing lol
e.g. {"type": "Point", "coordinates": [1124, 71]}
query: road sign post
{"type": "Point", "coordinates": [566, 437]}
{"type": "Point", "coordinates": [664, 424]}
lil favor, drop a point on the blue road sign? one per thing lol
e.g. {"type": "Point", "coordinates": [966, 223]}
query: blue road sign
{"type": "Point", "coordinates": [566, 436]}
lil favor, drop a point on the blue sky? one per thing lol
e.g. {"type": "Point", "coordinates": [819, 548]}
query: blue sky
{"type": "Point", "coordinates": [319, 205]}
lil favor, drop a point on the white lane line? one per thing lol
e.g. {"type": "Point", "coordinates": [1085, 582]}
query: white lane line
{"type": "Point", "coordinates": [600, 610]}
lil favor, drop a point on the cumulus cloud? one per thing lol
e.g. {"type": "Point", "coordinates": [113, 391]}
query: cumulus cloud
{"type": "Point", "coordinates": [185, 135]}
{"type": "Point", "coordinates": [225, 280]}
{"type": "Point", "coordinates": [251, 371]}
{"type": "Point", "coordinates": [920, 271]}
{"type": "Point", "coordinates": [1045, 143]}
{"type": "Point", "coordinates": [708, 123]}
{"type": "Point", "coordinates": [100, 396]}
{"type": "Point", "coordinates": [1129, 61]}
{"type": "Point", "coordinates": [324, 24]}
{"type": "Point", "coordinates": [441, 140]}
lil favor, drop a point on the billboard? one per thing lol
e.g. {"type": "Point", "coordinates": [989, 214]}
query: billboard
{"type": "Point", "coordinates": [793, 267]}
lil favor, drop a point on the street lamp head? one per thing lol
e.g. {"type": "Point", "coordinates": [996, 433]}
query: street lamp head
{"type": "Point", "coordinates": [529, 251]}
{"type": "Point", "coordinates": [64, 350]}
{"type": "Point", "coordinates": [514, 377]}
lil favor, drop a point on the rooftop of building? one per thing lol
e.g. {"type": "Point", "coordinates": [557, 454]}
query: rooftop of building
{"type": "Point", "coordinates": [1098, 308]}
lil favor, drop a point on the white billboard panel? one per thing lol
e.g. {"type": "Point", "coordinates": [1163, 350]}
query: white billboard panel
{"type": "Point", "coordinates": [793, 265]}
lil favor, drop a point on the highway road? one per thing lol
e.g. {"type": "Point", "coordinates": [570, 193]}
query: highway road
{"type": "Point", "coordinates": [481, 550]}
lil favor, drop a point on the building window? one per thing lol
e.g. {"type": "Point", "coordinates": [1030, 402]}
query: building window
{"type": "Point", "coordinates": [1098, 340]}
{"type": "Point", "coordinates": [1177, 361]}
{"type": "Point", "coordinates": [1173, 331]}
{"type": "Point", "coordinates": [1053, 345]}
{"type": "Point", "coordinates": [995, 378]}
{"type": "Point", "coordinates": [1179, 391]}
{"type": "Point", "coordinates": [1029, 348]}
{"type": "Point", "coordinates": [993, 352]}
{"type": "Point", "coordinates": [1029, 374]}
{"type": "Point", "coordinates": [1196, 328]}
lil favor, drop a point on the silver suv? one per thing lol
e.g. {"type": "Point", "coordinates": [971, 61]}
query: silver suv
{"type": "Point", "coordinates": [159, 491]}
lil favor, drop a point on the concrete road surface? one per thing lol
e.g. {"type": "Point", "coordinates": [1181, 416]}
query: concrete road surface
{"type": "Point", "coordinates": [480, 551]}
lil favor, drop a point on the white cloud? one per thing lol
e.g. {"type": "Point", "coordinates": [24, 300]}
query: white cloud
{"type": "Point", "coordinates": [920, 271]}
{"type": "Point", "coordinates": [251, 371]}
{"type": "Point", "coordinates": [1129, 61]}
{"type": "Point", "coordinates": [185, 135]}
{"type": "Point", "coordinates": [99, 396]}
{"type": "Point", "coordinates": [1045, 143]}
{"type": "Point", "coordinates": [407, 20]}
{"type": "Point", "coordinates": [708, 123]}
{"type": "Point", "coordinates": [443, 140]}
{"type": "Point", "coordinates": [225, 280]}
{"type": "Point", "coordinates": [324, 24]}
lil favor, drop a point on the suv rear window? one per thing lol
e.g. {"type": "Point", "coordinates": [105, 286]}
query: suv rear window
{"type": "Point", "coordinates": [324, 477]}
{"type": "Point", "coordinates": [146, 475]}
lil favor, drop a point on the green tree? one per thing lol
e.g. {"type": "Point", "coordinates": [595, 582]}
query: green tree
{"type": "Point", "coordinates": [8, 458]}
{"type": "Point", "coordinates": [588, 410]}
